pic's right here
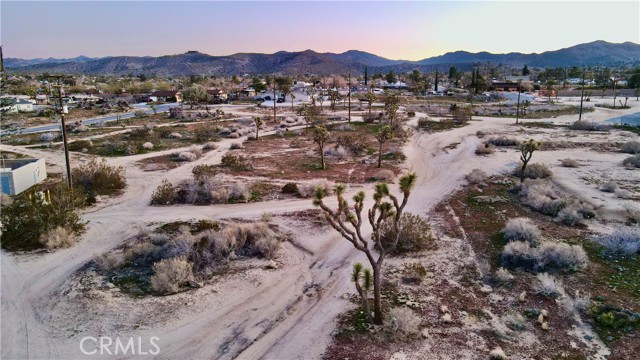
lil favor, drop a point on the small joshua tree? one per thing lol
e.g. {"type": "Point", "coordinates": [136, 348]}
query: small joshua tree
{"type": "Point", "coordinates": [363, 288]}
{"type": "Point", "coordinates": [348, 221]}
{"type": "Point", "coordinates": [383, 135]}
{"type": "Point", "coordinates": [320, 137]}
{"type": "Point", "coordinates": [259, 123]}
{"type": "Point", "coordinates": [526, 151]}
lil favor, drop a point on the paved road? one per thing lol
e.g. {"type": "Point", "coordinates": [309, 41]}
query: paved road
{"type": "Point", "coordinates": [56, 127]}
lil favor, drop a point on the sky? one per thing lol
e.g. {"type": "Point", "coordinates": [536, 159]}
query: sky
{"type": "Point", "coordinates": [392, 29]}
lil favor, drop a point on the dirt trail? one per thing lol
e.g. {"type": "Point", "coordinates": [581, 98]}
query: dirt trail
{"type": "Point", "coordinates": [288, 317]}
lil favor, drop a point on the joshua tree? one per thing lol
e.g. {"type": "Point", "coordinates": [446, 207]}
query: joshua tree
{"type": "Point", "coordinates": [320, 137]}
{"type": "Point", "coordinates": [526, 151]}
{"type": "Point", "coordinates": [348, 222]}
{"type": "Point", "coordinates": [364, 288]}
{"type": "Point", "coordinates": [391, 105]}
{"type": "Point", "coordinates": [550, 85]}
{"type": "Point", "coordinates": [153, 108]}
{"type": "Point", "coordinates": [383, 135]}
{"type": "Point", "coordinates": [259, 123]}
{"type": "Point", "coordinates": [370, 97]}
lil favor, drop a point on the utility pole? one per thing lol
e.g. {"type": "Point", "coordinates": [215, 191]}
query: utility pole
{"type": "Point", "coordinates": [518, 107]}
{"type": "Point", "coordinates": [64, 130]}
{"type": "Point", "coordinates": [349, 97]}
{"type": "Point", "coordinates": [581, 96]}
{"type": "Point", "coordinates": [274, 100]}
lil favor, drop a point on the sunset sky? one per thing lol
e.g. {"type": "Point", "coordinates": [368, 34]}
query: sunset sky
{"type": "Point", "coordinates": [396, 30]}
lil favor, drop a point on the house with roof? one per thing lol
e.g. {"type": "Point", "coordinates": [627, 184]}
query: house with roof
{"type": "Point", "coordinates": [217, 94]}
{"type": "Point", "coordinates": [16, 105]}
{"type": "Point", "coordinates": [166, 96]}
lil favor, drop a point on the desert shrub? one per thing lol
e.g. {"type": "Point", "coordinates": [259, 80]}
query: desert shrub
{"type": "Point", "coordinates": [57, 237]}
{"type": "Point", "coordinates": [423, 122]}
{"type": "Point", "coordinates": [589, 126]}
{"type": "Point", "coordinates": [521, 229]}
{"type": "Point", "coordinates": [621, 243]}
{"type": "Point", "coordinates": [415, 234]}
{"type": "Point", "coordinates": [209, 145]}
{"type": "Point", "coordinates": [49, 137]}
{"type": "Point", "coordinates": [5, 199]}
{"type": "Point", "coordinates": [402, 320]}
{"type": "Point", "coordinates": [239, 192]}
{"type": "Point", "coordinates": [165, 194]}
{"type": "Point", "coordinates": [308, 189]}
{"type": "Point", "coordinates": [514, 321]}
{"type": "Point", "coordinates": [236, 146]}
{"type": "Point", "coordinates": [99, 177]}
{"type": "Point", "coordinates": [476, 176]}
{"type": "Point", "coordinates": [197, 190]}
{"type": "Point", "coordinates": [385, 175]}
{"type": "Point", "coordinates": [623, 194]}
{"type": "Point", "coordinates": [485, 149]}
{"type": "Point", "coordinates": [268, 246]}
{"type": "Point", "coordinates": [220, 195]}
{"type": "Point", "coordinates": [503, 141]}
{"type": "Point", "coordinates": [569, 216]}
{"type": "Point", "coordinates": [290, 188]}
{"type": "Point", "coordinates": [78, 145]}
{"type": "Point", "coordinates": [571, 163]}
{"type": "Point", "coordinates": [461, 115]}
{"type": "Point", "coordinates": [170, 275]}
{"type": "Point", "coordinates": [204, 171]}
{"type": "Point", "coordinates": [631, 147]}
{"type": "Point", "coordinates": [369, 118]}
{"type": "Point", "coordinates": [556, 255]}
{"type": "Point", "coordinates": [536, 171]}
{"type": "Point", "coordinates": [411, 113]}
{"type": "Point", "coordinates": [609, 187]}
{"type": "Point", "coordinates": [503, 276]}
{"type": "Point", "coordinates": [29, 216]}
{"type": "Point", "coordinates": [541, 196]}
{"type": "Point", "coordinates": [247, 236]}
{"type": "Point", "coordinates": [187, 156]}
{"type": "Point", "coordinates": [519, 254]}
{"type": "Point", "coordinates": [236, 162]}
{"type": "Point", "coordinates": [140, 134]}
{"type": "Point", "coordinates": [632, 162]}
{"type": "Point", "coordinates": [497, 354]}
{"type": "Point", "coordinates": [356, 144]}
{"type": "Point", "coordinates": [147, 146]}
{"type": "Point", "coordinates": [108, 261]}
{"type": "Point", "coordinates": [548, 286]}
{"type": "Point", "coordinates": [336, 151]}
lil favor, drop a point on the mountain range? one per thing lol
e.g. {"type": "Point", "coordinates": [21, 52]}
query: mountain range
{"type": "Point", "coordinates": [597, 53]}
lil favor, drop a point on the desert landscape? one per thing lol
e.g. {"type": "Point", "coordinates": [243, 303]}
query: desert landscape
{"type": "Point", "coordinates": [310, 180]}
{"type": "Point", "coordinates": [286, 302]}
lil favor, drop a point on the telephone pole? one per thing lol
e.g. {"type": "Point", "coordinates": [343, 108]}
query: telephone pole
{"type": "Point", "coordinates": [349, 97]}
{"type": "Point", "coordinates": [581, 96]}
{"type": "Point", "coordinates": [64, 128]}
{"type": "Point", "coordinates": [518, 107]}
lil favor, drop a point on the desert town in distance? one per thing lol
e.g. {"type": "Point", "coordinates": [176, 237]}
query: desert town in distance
{"type": "Point", "coordinates": [319, 204]}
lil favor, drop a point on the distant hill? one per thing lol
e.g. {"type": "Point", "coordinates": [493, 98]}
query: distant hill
{"type": "Point", "coordinates": [311, 62]}
{"type": "Point", "coordinates": [593, 53]}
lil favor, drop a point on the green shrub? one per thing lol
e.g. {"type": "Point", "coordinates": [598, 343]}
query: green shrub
{"type": "Point", "coordinates": [98, 177]}
{"type": "Point", "coordinates": [203, 171]}
{"type": "Point", "coordinates": [165, 194]}
{"type": "Point", "coordinates": [78, 145]}
{"type": "Point", "coordinates": [415, 234]}
{"type": "Point", "coordinates": [24, 222]}
{"type": "Point", "coordinates": [236, 162]}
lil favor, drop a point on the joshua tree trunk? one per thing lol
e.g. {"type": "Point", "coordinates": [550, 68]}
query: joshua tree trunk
{"type": "Point", "coordinates": [377, 293]}
{"type": "Point", "coordinates": [380, 156]}
{"type": "Point", "coordinates": [322, 157]}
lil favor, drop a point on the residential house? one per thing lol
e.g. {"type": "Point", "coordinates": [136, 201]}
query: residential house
{"type": "Point", "coordinates": [42, 99]}
{"type": "Point", "coordinates": [166, 96]}
{"type": "Point", "coordinates": [504, 86]}
{"type": "Point", "coordinates": [217, 94]}
{"type": "Point", "coordinates": [514, 79]}
{"type": "Point", "coordinates": [13, 105]}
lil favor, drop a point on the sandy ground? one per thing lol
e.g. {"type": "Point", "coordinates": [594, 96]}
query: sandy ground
{"type": "Point", "coordinates": [270, 317]}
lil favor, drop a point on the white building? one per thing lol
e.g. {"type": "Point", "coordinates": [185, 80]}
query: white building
{"type": "Point", "coordinates": [17, 175]}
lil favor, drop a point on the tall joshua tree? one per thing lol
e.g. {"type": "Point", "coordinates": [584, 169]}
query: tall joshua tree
{"type": "Point", "coordinates": [320, 137]}
{"type": "Point", "coordinates": [526, 151]}
{"type": "Point", "coordinates": [383, 135]}
{"type": "Point", "coordinates": [348, 221]}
